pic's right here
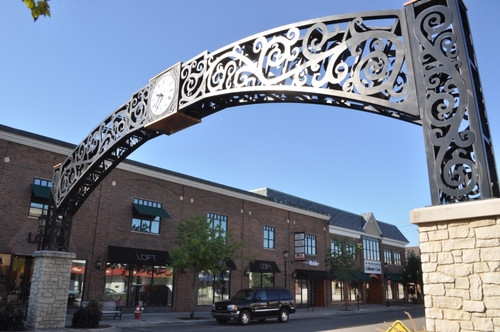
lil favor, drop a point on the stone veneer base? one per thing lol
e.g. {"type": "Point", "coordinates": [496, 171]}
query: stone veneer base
{"type": "Point", "coordinates": [49, 289]}
{"type": "Point", "coordinates": [460, 252]}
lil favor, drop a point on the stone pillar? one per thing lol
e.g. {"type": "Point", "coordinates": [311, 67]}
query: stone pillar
{"type": "Point", "coordinates": [49, 289]}
{"type": "Point", "coordinates": [460, 251]}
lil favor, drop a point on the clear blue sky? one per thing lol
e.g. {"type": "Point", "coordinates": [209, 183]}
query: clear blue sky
{"type": "Point", "coordinates": [61, 76]}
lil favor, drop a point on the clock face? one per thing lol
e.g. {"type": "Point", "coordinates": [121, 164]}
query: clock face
{"type": "Point", "coordinates": [163, 94]}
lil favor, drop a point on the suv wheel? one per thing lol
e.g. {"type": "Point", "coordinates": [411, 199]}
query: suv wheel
{"type": "Point", "coordinates": [283, 316]}
{"type": "Point", "coordinates": [244, 318]}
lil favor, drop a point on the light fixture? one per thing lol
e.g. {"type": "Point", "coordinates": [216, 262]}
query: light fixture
{"type": "Point", "coordinates": [294, 275]}
{"type": "Point", "coordinates": [246, 273]}
{"type": "Point", "coordinates": [98, 263]}
{"type": "Point", "coordinates": [285, 254]}
{"type": "Point", "coordinates": [184, 271]}
{"type": "Point", "coordinates": [42, 221]}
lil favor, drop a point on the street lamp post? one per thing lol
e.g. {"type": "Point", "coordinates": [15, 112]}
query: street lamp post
{"type": "Point", "coordinates": [42, 220]}
{"type": "Point", "coordinates": [285, 256]}
{"type": "Point", "coordinates": [387, 285]}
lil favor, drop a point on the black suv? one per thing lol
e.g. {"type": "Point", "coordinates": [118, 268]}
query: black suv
{"type": "Point", "coordinates": [255, 303]}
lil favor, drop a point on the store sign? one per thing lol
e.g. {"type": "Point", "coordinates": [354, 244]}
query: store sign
{"type": "Point", "coordinates": [374, 267]}
{"type": "Point", "coordinates": [300, 246]}
{"type": "Point", "coordinates": [137, 256]}
{"type": "Point", "coordinates": [300, 257]}
{"type": "Point", "coordinates": [146, 257]}
{"type": "Point", "coordinates": [311, 263]}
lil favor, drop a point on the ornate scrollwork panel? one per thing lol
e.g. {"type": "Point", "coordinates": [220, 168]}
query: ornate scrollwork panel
{"type": "Point", "coordinates": [457, 158]}
{"type": "Point", "coordinates": [357, 61]}
{"type": "Point", "coordinates": [106, 146]}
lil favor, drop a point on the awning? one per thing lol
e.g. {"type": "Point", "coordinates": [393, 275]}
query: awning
{"type": "Point", "coordinates": [395, 278]}
{"type": "Point", "coordinates": [314, 274]}
{"type": "Point", "coordinates": [230, 264]}
{"type": "Point", "coordinates": [361, 277]}
{"type": "Point", "coordinates": [137, 256]}
{"type": "Point", "coordinates": [151, 211]}
{"type": "Point", "coordinates": [265, 266]}
{"type": "Point", "coordinates": [41, 191]}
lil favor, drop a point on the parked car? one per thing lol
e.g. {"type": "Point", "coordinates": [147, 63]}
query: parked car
{"type": "Point", "coordinates": [255, 304]}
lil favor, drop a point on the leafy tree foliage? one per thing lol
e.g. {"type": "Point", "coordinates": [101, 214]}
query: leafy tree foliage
{"type": "Point", "coordinates": [38, 7]}
{"type": "Point", "coordinates": [202, 247]}
{"type": "Point", "coordinates": [343, 265]}
{"type": "Point", "coordinates": [412, 274]}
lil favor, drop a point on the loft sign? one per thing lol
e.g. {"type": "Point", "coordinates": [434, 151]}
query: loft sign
{"type": "Point", "coordinates": [145, 257]}
{"type": "Point", "coordinates": [265, 266]}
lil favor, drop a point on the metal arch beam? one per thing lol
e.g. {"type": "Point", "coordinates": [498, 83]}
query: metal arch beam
{"type": "Point", "coordinates": [393, 63]}
{"type": "Point", "coordinates": [359, 61]}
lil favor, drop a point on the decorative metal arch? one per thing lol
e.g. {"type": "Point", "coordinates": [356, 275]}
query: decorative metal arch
{"type": "Point", "coordinates": [416, 64]}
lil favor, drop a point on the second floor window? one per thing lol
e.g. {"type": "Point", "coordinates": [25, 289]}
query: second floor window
{"type": "Point", "coordinates": [371, 249]}
{"type": "Point", "coordinates": [268, 237]}
{"type": "Point", "coordinates": [387, 256]}
{"type": "Point", "coordinates": [217, 220]}
{"type": "Point", "coordinates": [40, 197]}
{"type": "Point", "coordinates": [310, 244]}
{"type": "Point", "coordinates": [397, 258]}
{"type": "Point", "coordinates": [147, 215]}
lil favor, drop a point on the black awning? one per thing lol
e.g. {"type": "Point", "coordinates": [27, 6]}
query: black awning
{"type": "Point", "coordinates": [230, 264]}
{"type": "Point", "coordinates": [41, 191]}
{"type": "Point", "coordinates": [265, 266]}
{"type": "Point", "coordinates": [151, 211]}
{"type": "Point", "coordinates": [361, 277]}
{"type": "Point", "coordinates": [137, 256]}
{"type": "Point", "coordinates": [314, 274]}
{"type": "Point", "coordinates": [395, 277]}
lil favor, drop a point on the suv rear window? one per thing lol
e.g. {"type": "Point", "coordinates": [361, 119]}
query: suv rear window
{"type": "Point", "coordinates": [272, 295]}
{"type": "Point", "coordinates": [284, 294]}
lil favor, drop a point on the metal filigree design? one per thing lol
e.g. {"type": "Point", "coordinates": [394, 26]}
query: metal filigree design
{"type": "Point", "coordinates": [362, 62]}
{"type": "Point", "coordinates": [105, 147]}
{"type": "Point", "coordinates": [455, 153]}
{"type": "Point", "coordinates": [343, 61]}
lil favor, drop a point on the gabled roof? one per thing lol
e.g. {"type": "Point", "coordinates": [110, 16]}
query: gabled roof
{"type": "Point", "coordinates": [338, 218]}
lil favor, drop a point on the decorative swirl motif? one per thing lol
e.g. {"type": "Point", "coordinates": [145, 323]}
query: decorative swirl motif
{"type": "Point", "coordinates": [345, 59]}
{"type": "Point", "coordinates": [100, 143]}
{"type": "Point", "coordinates": [447, 107]}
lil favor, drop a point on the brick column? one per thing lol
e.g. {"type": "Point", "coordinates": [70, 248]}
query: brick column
{"type": "Point", "coordinates": [49, 289]}
{"type": "Point", "coordinates": [460, 251]}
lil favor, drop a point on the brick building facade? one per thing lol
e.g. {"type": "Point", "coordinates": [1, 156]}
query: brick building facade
{"type": "Point", "coordinates": [122, 235]}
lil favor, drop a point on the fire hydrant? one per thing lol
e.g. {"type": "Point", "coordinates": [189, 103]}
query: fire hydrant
{"type": "Point", "coordinates": [138, 311]}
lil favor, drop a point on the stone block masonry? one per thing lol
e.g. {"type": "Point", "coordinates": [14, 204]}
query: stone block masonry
{"type": "Point", "coordinates": [49, 289]}
{"type": "Point", "coordinates": [460, 251]}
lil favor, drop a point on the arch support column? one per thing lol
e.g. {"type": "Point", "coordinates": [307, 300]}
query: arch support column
{"type": "Point", "coordinates": [49, 289]}
{"type": "Point", "coordinates": [460, 250]}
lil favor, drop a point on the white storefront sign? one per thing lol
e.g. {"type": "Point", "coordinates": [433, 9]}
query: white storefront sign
{"type": "Point", "coordinates": [374, 267]}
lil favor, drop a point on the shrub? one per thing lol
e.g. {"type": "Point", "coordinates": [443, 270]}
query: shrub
{"type": "Point", "coordinates": [11, 316]}
{"type": "Point", "coordinates": [88, 316]}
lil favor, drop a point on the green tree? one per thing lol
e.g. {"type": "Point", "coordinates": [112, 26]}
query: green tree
{"type": "Point", "coordinates": [412, 274]}
{"type": "Point", "coordinates": [343, 265]}
{"type": "Point", "coordinates": [201, 247]}
{"type": "Point", "coordinates": [38, 7]}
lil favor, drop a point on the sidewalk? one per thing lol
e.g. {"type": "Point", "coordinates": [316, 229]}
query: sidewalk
{"type": "Point", "coordinates": [205, 316]}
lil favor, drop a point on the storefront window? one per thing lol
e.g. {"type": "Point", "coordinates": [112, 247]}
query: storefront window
{"type": "Point", "coordinates": [4, 274]}
{"type": "Point", "coordinates": [131, 284]}
{"type": "Point", "coordinates": [213, 287]}
{"type": "Point", "coordinates": [76, 283]}
{"type": "Point", "coordinates": [257, 279]}
{"type": "Point", "coordinates": [301, 292]}
{"type": "Point", "coordinates": [338, 291]}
